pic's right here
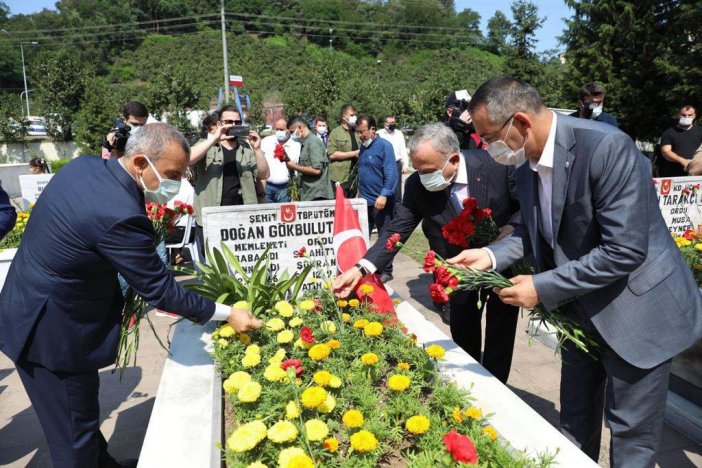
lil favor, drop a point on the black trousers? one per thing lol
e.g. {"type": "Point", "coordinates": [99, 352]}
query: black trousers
{"type": "Point", "coordinates": [633, 400]}
{"type": "Point", "coordinates": [500, 329]}
{"type": "Point", "coordinates": [67, 406]}
{"type": "Point", "coordinates": [398, 189]}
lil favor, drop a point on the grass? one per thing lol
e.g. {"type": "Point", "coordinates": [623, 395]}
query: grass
{"type": "Point", "coordinates": [416, 246]}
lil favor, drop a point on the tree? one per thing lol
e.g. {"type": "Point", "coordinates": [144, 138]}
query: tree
{"type": "Point", "coordinates": [470, 21]}
{"type": "Point", "coordinates": [96, 117]}
{"type": "Point", "coordinates": [13, 126]}
{"type": "Point", "coordinates": [523, 62]}
{"type": "Point", "coordinates": [172, 93]}
{"type": "Point", "coordinates": [59, 83]}
{"type": "Point", "coordinates": [498, 33]}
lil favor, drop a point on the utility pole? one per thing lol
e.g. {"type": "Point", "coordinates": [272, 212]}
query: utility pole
{"type": "Point", "coordinates": [224, 53]}
{"type": "Point", "coordinates": [24, 72]}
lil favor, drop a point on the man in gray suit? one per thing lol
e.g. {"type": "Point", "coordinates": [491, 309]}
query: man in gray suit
{"type": "Point", "coordinates": [590, 217]}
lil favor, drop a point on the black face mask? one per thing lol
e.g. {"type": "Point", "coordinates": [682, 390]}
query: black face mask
{"type": "Point", "coordinates": [392, 127]}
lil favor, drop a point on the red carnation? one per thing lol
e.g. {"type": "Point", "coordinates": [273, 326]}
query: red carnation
{"type": "Point", "coordinates": [429, 261]}
{"type": "Point", "coordinates": [307, 335]}
{"type": "Point", "coordinates": [279, 153]}
{"type": "Point", "coordinates": [453, 282]}
{"type": "Point", "coordinates": [295, 363]}
{"type": "Point", "coordinates": [470, 204]}
{"type": "Point", "coordinates": [686, 191]}
{"type": "Point", "coordinates": [392, 241]}
{"type": "Point", "coordinates": [442, 275]}
{"type": "Point", "coordinates": [461, 448]}
{"type": "Point", "coordinates": [302, 252]}
{"type": "Point", "coordinates": [438, 294]}
{"type": "Point", "coordinates": [485, 213]}
{"type": "Point", "coordinates": [690, 234]}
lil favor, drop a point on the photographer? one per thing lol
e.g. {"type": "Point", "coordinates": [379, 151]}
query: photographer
{"type": "Point", "coordinates": [228, 163]}
{"type": "Point", "coordinates": [590, 104]}
{"type": "Point", "coordinates": [134, 116]}
{"type": "Point", "coordinates": [458, 118]}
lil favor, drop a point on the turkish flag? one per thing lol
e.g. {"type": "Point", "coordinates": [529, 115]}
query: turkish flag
{"type": "Point", "coordinates": [350, 246]}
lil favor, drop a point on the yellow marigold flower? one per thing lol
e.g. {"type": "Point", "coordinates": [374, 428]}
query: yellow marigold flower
{"type": "Point", "coordinates": [490, 432]}
{"type": "Point", "coordinates": [215, 334]}
{"type": "Point", "coordinates": [403, 366]}
{"type": "Point", "coordinates": [235, 381]}
{"type": "Point", "coordinates": [226, 331]}
{"type": "Point", "coordinates": [316, 430]}
{"type": "Point", "coordinates": [346, 318]}
{"type": "Point", "coordinates": [282, 431]}
{"type": "Point", "coordinates": [360, 324]}
{"type": "Point", "coordinates": [335, 382]}
{"type": "Point", "coordinates": [251, 360]}
{"type": "Point", "coordinates": [307, 305]}
{"type": "Point", "coordinates": [334, 344]}
{"type": "Point", "coordinates": [363, 441]}
{"type": "Point", "coordinates": [399, 383]}
{"type": "Point", "coordinates": [286, 336]}
{"type": "Point", "coordinates": [352, 418]}
{"type": "Point", "coordinates": [222, 343]}
{"type": "Point", "coordinates": [698, 246]}
{"type": "Point", "coordinates": [257, 464]}
{"type": "Point", "coordinates": [313, 397]}
{"type": "Point", "coordinates": [322, 378]}
{"type": "Point", "coordinates": [275, 324]}
{"type": "Point", "coordinates": [370, 359]}
{"type": "Point", "coordinates": [412, 339]}
{"type": "Point", "coordinates": [292, 411]}
{"type": "Point", "coordinates": [328, 405]}
{"type": "Point", "coordinates": [295, 322]}
{"type": "Point", "coordinates": [279, 355]}
{"type": "Point", "coordinates": [329, 327]}
{"type": "Point", "coordinates": [249, 392]}
{"type": "Point", "coordinates": [252, 349]}
{"type": "Point", "coordinates": [417, 424]}
{"type": "Point", "coordinates": [682, 242]}
{"type": "Point", "coordinates": [247, 436]}
{"type": "Point", "coordinates": [245, 338]}
{"type": "Point", "coordinates": [473, 413]}
{"type": "Point", "coordinates": [313, 280]}
{"type": "Point", "coordinates": [366, 289]}
{"type": "Point", "coordinates": [300, 343]}
{"type": "Point", "coordinates": [242, 305]}
{"type": "Point", "coordinates": [331, 444]}
{"type": "Point", "coordinates": [373, 329]}
{"type": "Point", "coordinates": [287, 455]}
{"type": "Point", "coordinates": [456, 415]}
{"type": "Point", "coordinates": [319, 352]}
{"type": "Point", "coordinates": [301, 461]}
{"type": "Point", "coordinates": [435, 351]}
{"type": "Point", "coordinates": [354, 303]}
{"type": "Point", "coordinates": [284, 308]}
{"type": "Point", "coordinates": [342, 303]}
{"type": "Point", "coordinates": [274, 373]}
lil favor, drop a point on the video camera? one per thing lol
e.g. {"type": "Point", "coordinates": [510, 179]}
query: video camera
{"type": "Point", "coordinates": [588, 108]}
{"type": "Point", "coordinates": [121, 132]}
{"type": "Point", "coordinates": [458, 103]}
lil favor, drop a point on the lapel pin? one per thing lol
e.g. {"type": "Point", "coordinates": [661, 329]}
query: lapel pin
{"type": "Point", "coordinates": [567, 164]}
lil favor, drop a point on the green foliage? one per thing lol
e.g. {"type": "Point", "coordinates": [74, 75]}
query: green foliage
{"type": "Point", "coordinates": [96, 116]}
{"type": "Point", "coordinates": [57, 165]}
{"type": "Point", "coordinates": [498, 32]}
{"type": "Point", "coordinates": [13, 126]}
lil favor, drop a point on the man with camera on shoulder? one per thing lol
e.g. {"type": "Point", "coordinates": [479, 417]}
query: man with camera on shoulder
{"type": "Point", "coordinates": [134, 116]}
{"type": "Point", "coordinates": [229, 162]}
{"type": "Point", "coordinates": [458, 118]}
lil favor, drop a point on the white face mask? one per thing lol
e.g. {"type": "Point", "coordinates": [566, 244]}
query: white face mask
{"type": "Point", "coordinates": [366, 143]}
{"type": "Point", "coordinates": [685, 121]}
{"type": "Point", "coordinates": [322, 130]}
{"type": "Point", "coordinates": [167, 189]}
{"type": "Point", "coordinates": [505, 155]}
{"type": "Point", "coordinates": [351, 120]}
{"type": "Point", "coordinates": [596, 111]}
{"type": "Point", "coordinates": [296, 137]}
{"type": "Point", "coordinates": [281, 135]}
{"type": "Point", "coordinates": [435, 181]}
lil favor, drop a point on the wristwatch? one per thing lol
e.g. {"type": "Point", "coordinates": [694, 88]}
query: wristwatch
{"type": "Point", "coordinates": [362, 269]}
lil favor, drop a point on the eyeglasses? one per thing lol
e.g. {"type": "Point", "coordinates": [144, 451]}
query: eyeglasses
{"type": "Point", "coordinates": [489, 140]}
{"type": "Point", "coordinates": [231, 122]}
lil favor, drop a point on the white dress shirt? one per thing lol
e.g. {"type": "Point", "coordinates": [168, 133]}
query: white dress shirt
{"type": "Point", "coordinates": [397, 140]}
{"type": "Point", "coordinates": [279, 170]}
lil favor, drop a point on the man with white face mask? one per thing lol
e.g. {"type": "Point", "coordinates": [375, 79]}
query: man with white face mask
{"type": "Point", "coordinates": [343, 151]}
{"type": "Point", "coordinates": [591, 103]}
{"type": "Point", "coordinates": [321, 129]}
{"type": "Point", "coordinates": [604, 256]}
{"type": "Point", "coordinates": [61, 309]}
{"type": "Point", "coordinates": [679, 143]}
{"type": "Point", "coordinates": [445, 176]}
{"type": "Point", "coordinates": [276, 190]}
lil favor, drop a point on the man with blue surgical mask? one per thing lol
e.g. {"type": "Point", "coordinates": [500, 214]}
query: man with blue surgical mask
{"type": "Point", "coordinates": [276, 190]}
{"type": "Point", "coordinates": [445, 177]}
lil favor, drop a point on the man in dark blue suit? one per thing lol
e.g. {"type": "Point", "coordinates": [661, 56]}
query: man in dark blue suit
{"type": "Point", "coordinates": [434, 194]}
{"type": "Point", "coordinates": [8, 215]}
{"type": "Point", "coordinates": [61, 305]}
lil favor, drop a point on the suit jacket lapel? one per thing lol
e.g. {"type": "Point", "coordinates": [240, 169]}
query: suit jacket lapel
{"type": "Point", "coordinates": [477, 188]}
{"type": "Point", "coordinates": [562, 167]}
{"type": "Point", "coordinates": [530, 206]}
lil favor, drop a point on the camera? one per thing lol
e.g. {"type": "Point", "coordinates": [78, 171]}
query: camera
{"type": "Point", "coordinates": [588, 108]}
{"type": "Point", "coordinates": [121, 135]}
{"type": "Point", "coordinates": [239, 131]}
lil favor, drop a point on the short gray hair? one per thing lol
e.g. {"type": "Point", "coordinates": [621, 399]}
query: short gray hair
{"type": "Point", "coordinates": [441, 137]}
{"type": "Point", "coordinates": [504, 96]}
{"type": "Point", "coordinates": [153, 139]}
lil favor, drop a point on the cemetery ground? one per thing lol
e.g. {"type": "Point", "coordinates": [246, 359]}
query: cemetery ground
{"type": "Point", "coordinates": [126, 406]}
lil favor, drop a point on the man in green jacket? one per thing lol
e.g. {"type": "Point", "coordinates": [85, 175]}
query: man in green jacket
{"type": "Point", "coordinates": [342, 148]}
{"type": "Point", "coordinates": [313, 164]}
{"type": "Point", "coordinates": [228, 167]}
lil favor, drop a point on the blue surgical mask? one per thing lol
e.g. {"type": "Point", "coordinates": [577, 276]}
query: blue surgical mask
{"type": "Point", "coordinates": [296, 137]}
{"type": "Point", "coordinates": [435, 181]}
{"type": "Point", "coordinates": [167, 189]}
{"type": "Point", "coordinates": [281, 135]}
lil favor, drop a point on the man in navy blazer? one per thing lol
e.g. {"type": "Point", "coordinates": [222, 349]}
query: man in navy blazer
{"type": "Point", "coordinates": [591, 219]}
{"type": "Point", "coordinates": [61, 306]}
{"type": "Point", "coordinates": [8, 215]}
{"type": "Point", "coordinates": [434, 148]}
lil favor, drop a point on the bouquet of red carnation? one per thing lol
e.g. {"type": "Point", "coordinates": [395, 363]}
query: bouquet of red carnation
{"type": "Point", "coordinates": [280, 153]}
{"type": "Point", "coordinates": [472, 227]}
{"type": "Point", "coordinates": [164, 219]}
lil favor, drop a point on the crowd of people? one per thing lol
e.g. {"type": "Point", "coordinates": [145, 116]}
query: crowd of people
{"type": "Point", "coordinates": [570, 194]}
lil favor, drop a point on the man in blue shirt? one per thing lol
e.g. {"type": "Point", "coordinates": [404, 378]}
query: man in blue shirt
{"type": "Point", "coordinates": [377, 178]}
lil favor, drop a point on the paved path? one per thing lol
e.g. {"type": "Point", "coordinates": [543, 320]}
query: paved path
{"type": "Point", "coordinates": [126, 405]}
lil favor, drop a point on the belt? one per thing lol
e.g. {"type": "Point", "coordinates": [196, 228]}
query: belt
{"type": "Point", "coordinates": [284, 185]}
